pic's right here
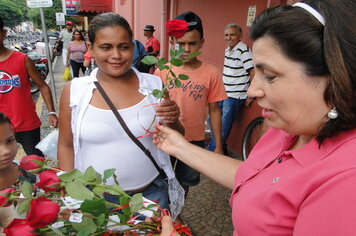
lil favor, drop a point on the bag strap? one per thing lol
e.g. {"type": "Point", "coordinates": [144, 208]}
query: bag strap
{"type": "Point", "coordinates": [127, 130]}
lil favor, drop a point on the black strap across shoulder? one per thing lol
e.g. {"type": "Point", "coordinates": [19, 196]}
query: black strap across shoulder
{"type": "Point", "coordinates": [127, 130]}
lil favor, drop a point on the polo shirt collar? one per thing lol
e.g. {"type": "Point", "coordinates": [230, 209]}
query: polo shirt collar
{"type": "Point", "coordinates": [234, 48]}
{"type": "Point", "coordinates": [312, 152]}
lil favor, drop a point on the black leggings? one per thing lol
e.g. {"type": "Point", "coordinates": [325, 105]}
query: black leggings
{"type": "Point", "coordinates": [29, 140]}
{"type": "Point", "coordinates": [75, 67]}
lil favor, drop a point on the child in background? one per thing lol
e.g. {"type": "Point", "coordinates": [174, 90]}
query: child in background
{"type": "Point", "coordinates": [10, 174]}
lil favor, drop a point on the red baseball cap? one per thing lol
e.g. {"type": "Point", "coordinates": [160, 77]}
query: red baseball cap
{"type": "Point", "coordinates": [69, 23]}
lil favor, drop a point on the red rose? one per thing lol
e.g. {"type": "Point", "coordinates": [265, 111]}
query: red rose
{"type": "Point", "coordinates": [42, 212]}
{"type": "Point", "coordinates": [49, 181]}
{"type": "Point", "coordinates": [19, 227]}
{"type": "Point", "coordinates": [32, 163]}
{"type": "Point", "coordinates": [4, 197]}
{"type": "Point", "coordinates": [176, 28]}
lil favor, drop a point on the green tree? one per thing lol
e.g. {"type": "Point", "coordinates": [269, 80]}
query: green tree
{"type": "Point", "coordinates": [12, 13]}
{"type": "Point", "coordinates": [50, 15]}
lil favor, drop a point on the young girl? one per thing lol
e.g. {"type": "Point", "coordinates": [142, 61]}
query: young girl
{"type": "Point", "coordinates": [90, 134]}
{"type": "Point", "coordinates": [10, 174]}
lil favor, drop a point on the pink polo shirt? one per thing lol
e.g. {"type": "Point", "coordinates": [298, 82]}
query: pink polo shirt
{"type": "Point", "coordinates": [310, 191]}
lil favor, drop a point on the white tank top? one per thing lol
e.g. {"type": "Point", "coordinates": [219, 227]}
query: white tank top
{"type": "Point", "coordinates": [106, 145]}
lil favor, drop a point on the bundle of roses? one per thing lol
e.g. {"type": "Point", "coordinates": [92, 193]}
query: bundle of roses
{"type": "Point", "coordinates": [73, 203]}
{"type": "Point", "coordinates": [177, 29]}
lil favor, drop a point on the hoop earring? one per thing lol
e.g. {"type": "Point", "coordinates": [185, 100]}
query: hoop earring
{"type": "Point", "coordinates": [332, 114]}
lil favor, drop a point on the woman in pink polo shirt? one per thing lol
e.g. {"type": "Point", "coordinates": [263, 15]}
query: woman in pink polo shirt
{"type": "Point", "coordinates": [300, 177]}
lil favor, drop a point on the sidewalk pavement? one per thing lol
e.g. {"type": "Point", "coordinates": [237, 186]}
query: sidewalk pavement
{"type": "Point", "coordinates": [207, 210]}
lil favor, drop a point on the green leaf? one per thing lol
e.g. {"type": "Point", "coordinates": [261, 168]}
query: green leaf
{"type": "Point", "coordinates": [123, 218]}
{"type": "Point", "coordinates": [70, 176]}
{"type": "Point", "coordinates": [86, 227]}
{"type": "Point", "coordinates": [157, 93]}
{"type": "Point", "coordinates": [94, 207]}
{"type": "Point", "coordinates": [26, 189]}
{"type": "Point", "coordinates": [136, 202]}
{"type": "Point", "coordinates": [192, 55]}
{"type": "Point", "coordinates": [108, 173]}
{"type": "Point", "coordinates": [179, 53]}
{"type": "Point", "coordinates": [57, 231]}
{"type": "Point", "coordinates": [115, 179]}
{"type": "Point", "coordinates": [150, 60]}
{"type": "Point", "coordinates": [100, 220]}
{"type": "Point", "coordinates": [183, 77]}
{"type": "Point", "coordinates": [99, 190]}
{"type": "Point", "coordinates": [172, 52]}
{"type": "Point", "coordinates": [78, 191]}
{"type": "Point", "coordinates": [114, 189]}
{"type": "Point", "coordinates": [23, 206]}
{"type": "Point", "coordinates": [177, 83]}
{"type": "Point", "coordinates": [176, 62]}
{"type": "Point", "coordinates": [91, 175]}
{"type": "Point", "coordinates": [126, 210]}
{"type": "Point", "coordinates": [173, 74]}
{"type": "Point", "coordinates": [162, 63]}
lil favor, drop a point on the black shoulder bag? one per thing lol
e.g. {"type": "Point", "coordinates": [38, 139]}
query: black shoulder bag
{"type": "Point", "coordinates": [127, 130]}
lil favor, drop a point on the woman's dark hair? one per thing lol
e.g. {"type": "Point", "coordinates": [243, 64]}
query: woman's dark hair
{"type": "Point", "coordinates": [328, 50]}
{"type": "Point", "coordinates": [81, 34]}
{"type": "Point", "coordinates": [4, 119]}
{"type": "Point", "coordinates": [104, 20]}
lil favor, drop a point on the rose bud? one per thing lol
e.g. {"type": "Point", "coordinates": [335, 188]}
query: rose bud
{"type": "Point", "coordinates": [176, 28]}
{"type": "Point", "coordinates": [32, 163]}
{"type": "Point", "coordinates": [19, 227]}
{"type": "Point", "coordinates": [49, 181]}
{"type": "Point", "coordinates": [4, 197]}
{"type": "Point", "coordinates": [42, 212]}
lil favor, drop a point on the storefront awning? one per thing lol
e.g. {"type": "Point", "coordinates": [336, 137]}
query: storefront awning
{"type": "Point", "coordinates": [93, 7]}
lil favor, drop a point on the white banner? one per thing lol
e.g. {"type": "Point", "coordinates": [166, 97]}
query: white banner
{"type": "Point", "coordinates": [39, 3]}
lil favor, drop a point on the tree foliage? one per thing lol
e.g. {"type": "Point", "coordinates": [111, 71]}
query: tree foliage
{"type": "Point", "coordinates": [12, 12]}
{"type": "Point", "coordinates": [50, 15]}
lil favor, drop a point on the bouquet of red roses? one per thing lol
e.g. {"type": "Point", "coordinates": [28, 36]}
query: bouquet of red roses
{"type": "Point", "coordinates": [73, 203]}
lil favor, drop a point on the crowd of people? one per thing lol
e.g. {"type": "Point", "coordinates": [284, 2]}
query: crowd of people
{"type": "Point", "coordinates": [299, 177]}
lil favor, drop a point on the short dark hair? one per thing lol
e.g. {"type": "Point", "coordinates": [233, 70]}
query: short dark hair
{"type": "Point", "coordinates": [107, 19]}
{"type": "Point", "coordinates": [5, 120]}
{"type": "Point", "coordinates": [322, 50]}
{"type": "Point", "coordinates": [193, 20]}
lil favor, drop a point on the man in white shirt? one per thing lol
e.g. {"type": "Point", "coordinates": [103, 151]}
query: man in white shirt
{"type": "Point", "coordinates": [238, 69]}
{"type": "Point", "coordinates": [66, 36]}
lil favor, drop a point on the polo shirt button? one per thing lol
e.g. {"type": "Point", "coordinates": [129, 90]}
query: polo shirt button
{"type": "Point", "coordinates": [279, 160]}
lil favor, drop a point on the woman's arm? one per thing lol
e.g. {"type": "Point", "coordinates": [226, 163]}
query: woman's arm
{"type": "Point", "coordinates": [65, 140]}
{"type": "Point", "coordinates": [44, 89]}
{"type": "Point", "coordinates": [218, 167]}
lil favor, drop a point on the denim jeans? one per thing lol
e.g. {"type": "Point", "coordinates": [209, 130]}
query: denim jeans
{"type": "Point", "coordinates": [230, 109]}
{"type": "Point", "coordinates": [157, 191]}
